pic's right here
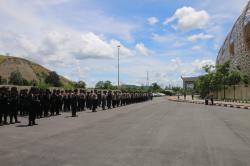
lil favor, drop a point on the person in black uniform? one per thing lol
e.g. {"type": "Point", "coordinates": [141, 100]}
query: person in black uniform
{"type": "Point", "coordinates": [83, 100]}
{"type": "Point", "coordinates": [39, 111]}
{"type": "Point", "coordinates": [26, 102]}
{"type": "Point", "coordinates": [53, 103]}
{"type": "Point", "coordinates": [13, 105]}
{"type": "Point", "coordinates": [58, 105]}
{"type": "Point", "coordinates": [79, 103]}
{"type": "Point", "coordinates": [1, 106]}
{"type": "Point", "coordinates": [5, 103]}
{"type": "Point", "coordinates": [22, 98]}
{"type": "Point", "coordinates": [32, 105]}
{"type": "Point", "coordinates": [99, 96]}
{"type": "Point", "coordinates": [94, 99]}
{"type": "Point", "coordinates": [67, 101]}
{"type": "Point", "coordinates": [64, 97]}
{"type": "Point", "coordinates": [74, 103]}
{"type": "Point", "coordinates": [88, 100]}
{"type": "Point", "coordinates": [109, 99]}
{"type": "Point", "coordinates": [45, 102]}
{"type": "Point", "coordinates": [114, 99]}
{"type": "Point", "coordinates": [104, 100]}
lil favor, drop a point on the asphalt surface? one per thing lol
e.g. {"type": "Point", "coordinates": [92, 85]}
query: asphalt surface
{"type": "Point", "coordinates": [155, 133]}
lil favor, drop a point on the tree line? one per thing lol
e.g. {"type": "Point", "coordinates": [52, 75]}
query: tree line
{"type": "Point", "coordinates": [51, 80]}
{"type": "Point", "coordinates": [218, 78]}
{"type": "Point", "coordinates": [154, 87]}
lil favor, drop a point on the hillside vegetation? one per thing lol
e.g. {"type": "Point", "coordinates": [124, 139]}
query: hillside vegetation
{"type": "Point", "coordinates": [30, 71]}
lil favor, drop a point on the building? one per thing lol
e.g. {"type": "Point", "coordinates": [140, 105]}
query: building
{"type": "Point", "coordinates": [236, 47]}
{"type": "Point", "coordinates": [188, 82]}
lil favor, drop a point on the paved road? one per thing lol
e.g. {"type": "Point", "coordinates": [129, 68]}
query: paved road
{"type": "Point", "coordinates": [157, 133]}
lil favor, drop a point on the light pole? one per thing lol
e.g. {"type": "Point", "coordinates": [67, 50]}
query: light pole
{"type": "Point", "coordinates": [118, 61]}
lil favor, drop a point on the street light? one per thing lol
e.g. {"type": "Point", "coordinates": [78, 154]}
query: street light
{"type": "Point", "coordinates": [118, 61]}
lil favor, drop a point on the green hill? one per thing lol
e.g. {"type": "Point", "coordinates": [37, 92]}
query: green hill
{"type": "Point", "coordinates": [29, 70]}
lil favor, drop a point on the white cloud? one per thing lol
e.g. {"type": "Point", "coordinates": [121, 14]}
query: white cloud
{"type": "Point", "coordinates": [142, 50]}
{"type": "Point", "coordinates": [152, 20]}
{"type": "Point", "coordinates": [92, 46]}
{"type": "Point", "coordinates": [31, 17]}
{"type": "Point", "coordinates": [188, 18]}
{"type": "Point", "coordinates": [170, 40]}
{"type": "Point", "coordinates": [199, 64]}
{"type": "Point", "coordinates": [196, 48]}
{"type": "Point", "coordinates": [57, 45]}
{"type": "Point", "coordinates": [200, 36]}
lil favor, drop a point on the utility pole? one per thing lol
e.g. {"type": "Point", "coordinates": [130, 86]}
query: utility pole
{"type": "Point", "coordinates": [118, 64]}
{"type": "Point", "coordinates": [147, 79]}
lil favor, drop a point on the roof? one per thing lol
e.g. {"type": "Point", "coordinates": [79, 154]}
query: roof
{"type": "Point", "coordinates": [189, 79]}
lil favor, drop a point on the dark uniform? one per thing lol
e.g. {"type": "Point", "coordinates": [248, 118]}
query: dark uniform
{"type": "Point", "coordinates": [33, 105]}
{"type": "Point", "coordinates": [1, 107]}
{"type": "Point", "coordinates": [53, 103]}
{"type": "Point", "coordinates": [39, 111]}
{"type": "Point", "coordinates": [99, 96]}
{"type": "Point", "coordinates": [104, 100]}
{"type": "Point", "coordinates": [74, 101]}
{"type": "Point", "coordinates": [88, 100]}
{"type": "Point", "coordinates": [13, 105]}
{"type": "Point", "coordinates": [109, 99]}
{"type": "Point", "coordinates": [94, 99]}
{"type": "Point", "coordinates": [45, 103]}
{"type": "Point", "coordinates": [114, 99]}
{"type": "Point", "coordinates": [67, 101]}
{"type": "Point", "coordinates": [58, 103]}
{"type": "Point", "coordinates": [5, 105]}
{"type": "Point", "coordinates": [82, 101]}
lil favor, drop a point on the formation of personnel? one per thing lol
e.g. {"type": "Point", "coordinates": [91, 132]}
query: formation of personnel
{"type": "Point", "coordinates": [37, 103]}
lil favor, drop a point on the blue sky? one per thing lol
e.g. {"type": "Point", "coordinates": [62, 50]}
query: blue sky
{"type": "Point", "coordinates": [78, 38]}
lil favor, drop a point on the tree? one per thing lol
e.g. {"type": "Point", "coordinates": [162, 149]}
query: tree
{"type": "Point", "coordinates": [104, 85]}
{"type": "Point", "coordinates": [99, 85]}
{"type": "Point", "coordinates": [245, 80]}
{"type": "Point", "coordinates": [155, 88]}
{"type": "Point", "coordinates": [217, 78]}
{"type": "Point", "coordinates": [2, 80]}
{"type": "Point", "coordinates": [33, 83]}
{"type": "Point", "coordinates": [208, 83]}
{"type": "Point", "coordinates": [208, 68]}
{"type": "Point", "coordinates": [107, 85]}
{"type": "Point", "coordinates": [17, 79]}
{"type": "Point", "coordinates": [234, 78]}
{"type": "Point", "coordinates": [80, 84]}
{"type": "Point", "coordinates": [53, 79]}
{"type": "Point", "coordinates": [202, 85]}
{"type": "Point", "coordinates": [223, 72]}
{"type": "Point", "coordinates": [177, 90]}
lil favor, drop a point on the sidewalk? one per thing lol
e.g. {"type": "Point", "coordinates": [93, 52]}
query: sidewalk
{"type": "Point", "coordinates": [217, 103]}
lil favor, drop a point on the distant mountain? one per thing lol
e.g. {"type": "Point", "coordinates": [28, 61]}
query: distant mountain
{"type": "Point", "coordinates": [29, 70]}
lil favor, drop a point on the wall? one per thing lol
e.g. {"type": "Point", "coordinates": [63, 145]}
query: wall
{"type": "Point", "coordinates": [241, 93]}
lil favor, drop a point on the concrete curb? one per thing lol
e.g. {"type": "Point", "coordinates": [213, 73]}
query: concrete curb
{"type": "Point", "coordinates": [216, 104]}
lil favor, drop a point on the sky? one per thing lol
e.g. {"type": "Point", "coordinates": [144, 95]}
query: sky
{"type": "Point", "coordinates": [78, 38]}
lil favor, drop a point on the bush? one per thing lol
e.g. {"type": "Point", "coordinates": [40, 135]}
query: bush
{"type": "Point", "coordinates": [53, 79]}
{"type": "Point", "coordinates": [17, 79]}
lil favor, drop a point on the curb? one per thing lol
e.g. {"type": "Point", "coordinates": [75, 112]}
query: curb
{"type": "Point", "coordinates": [216, 104]}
